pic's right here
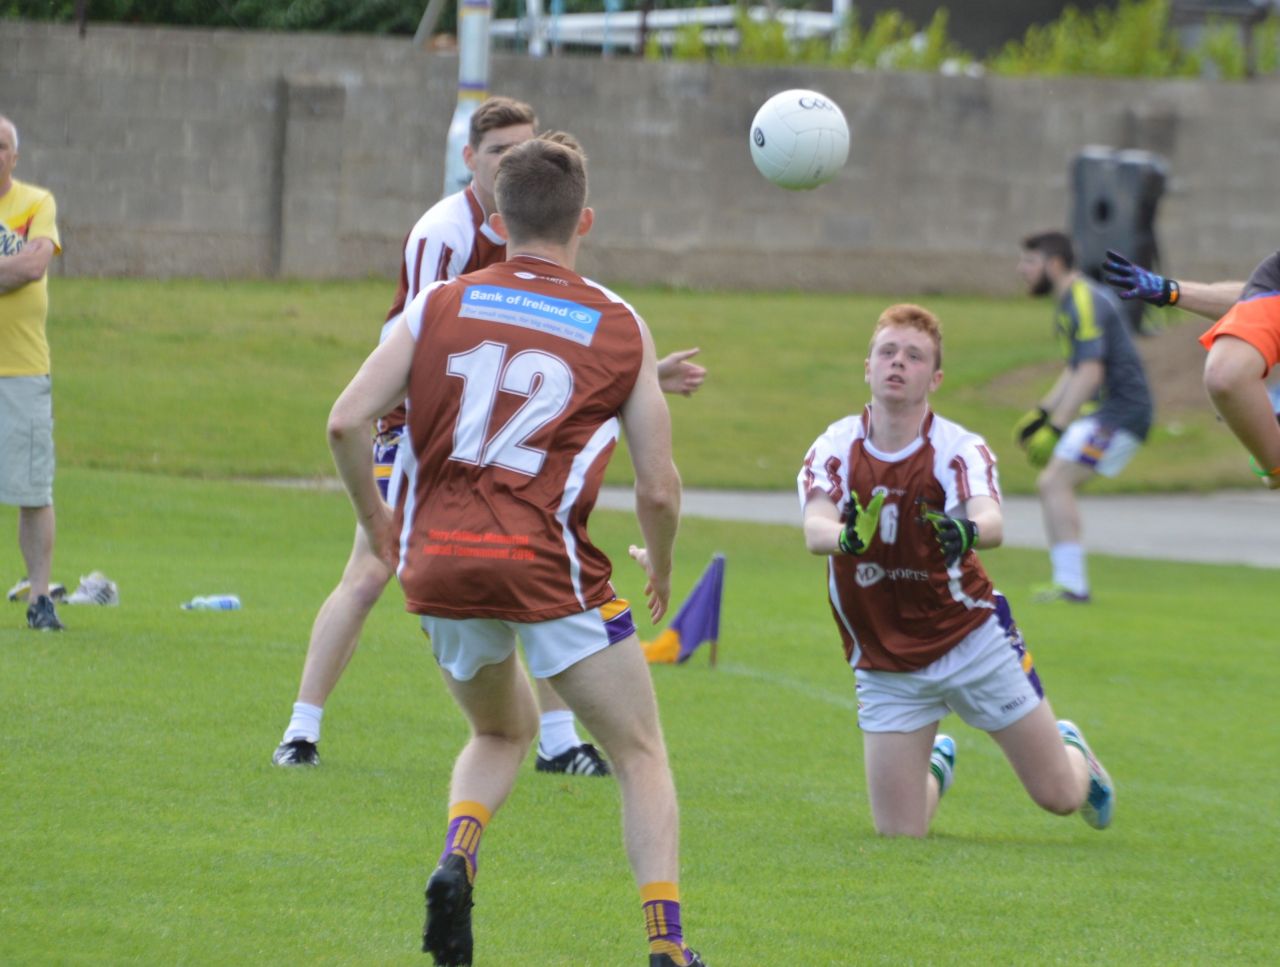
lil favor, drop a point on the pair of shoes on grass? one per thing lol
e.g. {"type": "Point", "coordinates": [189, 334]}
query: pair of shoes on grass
{"type": "Point", "coordinates": [446, 935]}
{"type": "Point", "coordinates": [581, 760]}
{"type": "Point", "coordinates": [95, 588]}
{"type": "Point", "coordinates": [22, 592]}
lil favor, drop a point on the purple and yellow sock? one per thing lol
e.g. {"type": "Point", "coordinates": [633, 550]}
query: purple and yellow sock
{"type": "Point", "coordinates": [662, 921]}
{"type": "Point", "coordinates": [467, 821]}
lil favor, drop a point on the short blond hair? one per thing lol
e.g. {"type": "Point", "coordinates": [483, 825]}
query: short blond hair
{"type": "Point", "coordinates": [911, 316]}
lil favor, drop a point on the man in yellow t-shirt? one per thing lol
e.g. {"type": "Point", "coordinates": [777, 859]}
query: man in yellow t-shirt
{"type": "Point", "coordinates": [28, 240]}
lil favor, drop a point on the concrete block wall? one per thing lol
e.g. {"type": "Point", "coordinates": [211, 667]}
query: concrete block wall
{"type": "Point", "coordinates": [233, 154]}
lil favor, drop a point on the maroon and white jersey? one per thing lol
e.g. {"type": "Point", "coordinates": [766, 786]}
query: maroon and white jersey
{"type": "Point", "coordinates": [451, 239]}
{"type": "Point", "coordinates": [518, 374]}
{"type": "Point", "coordinates": [897, 605]}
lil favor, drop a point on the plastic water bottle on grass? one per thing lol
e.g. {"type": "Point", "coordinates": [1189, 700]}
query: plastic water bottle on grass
{"type": "Point", "coordinates": [213, 602]}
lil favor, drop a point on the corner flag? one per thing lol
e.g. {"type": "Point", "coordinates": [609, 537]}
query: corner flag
{"type": "Point", "coordinates": [698, 620]}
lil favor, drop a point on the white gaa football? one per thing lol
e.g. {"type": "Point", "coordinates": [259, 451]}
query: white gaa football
{"type": "Point", "coordinates": [799, 139]}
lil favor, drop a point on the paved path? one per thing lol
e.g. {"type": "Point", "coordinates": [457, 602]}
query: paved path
{"type": "Point", "coordinates": [1231, 527]}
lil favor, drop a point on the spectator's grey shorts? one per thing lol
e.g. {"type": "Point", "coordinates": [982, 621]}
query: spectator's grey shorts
{"type": "Point", "coordinates": [26, 441]}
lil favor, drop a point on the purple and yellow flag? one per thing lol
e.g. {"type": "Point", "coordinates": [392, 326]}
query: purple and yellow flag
{"type": "Point", "coordinates": [698, 620]}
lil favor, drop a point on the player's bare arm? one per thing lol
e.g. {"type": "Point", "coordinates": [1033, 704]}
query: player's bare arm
{"type": "Point", "coordinates": [822, 526]}
{"type": "Point", "coordinates": [1051, 399]}
{"type": "Point", "coordinates": [26, 266]}
{"type": "Point", "coordinates": [1078, 387]}
{"type": "Point", "coordinates": [647, 423]}
{"type": "Point", "coordinates": [1132, 281]}
{"type": "Point", "coordinates": [986, 513]}
{"type": "Point", "coordinates": [1209, 299]}
{"type": "Point", "coordinates": [381, 383]}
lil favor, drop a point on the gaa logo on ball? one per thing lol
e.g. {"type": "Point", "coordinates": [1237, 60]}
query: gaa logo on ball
{"type": "Point", "coordinates": [817, 104]}
{"type": "Point", "coordinates": [799, 139]}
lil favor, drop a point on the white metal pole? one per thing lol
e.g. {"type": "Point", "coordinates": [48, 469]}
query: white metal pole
{"type": "Point", "coordinates": [473, 87]}
{"type": "Point", "coordinates": [841, 19]}
{"type": "Point", "coordinates": [537, 28]}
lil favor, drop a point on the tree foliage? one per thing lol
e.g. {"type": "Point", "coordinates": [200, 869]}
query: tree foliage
{"type": "Point", "coordinates": [1136, 38]}
{"type": "Point", "coordinates": [371, 16]}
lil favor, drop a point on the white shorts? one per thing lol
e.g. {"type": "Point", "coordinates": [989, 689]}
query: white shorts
{"type": "Point", "coordinates": [988, 680]}
{"type": "Point", "coordinates": [464, 646]}
{"type": "Point", "coordinates": [1103, 449]}
{"type": "Point", "coordinates": [26, 441]}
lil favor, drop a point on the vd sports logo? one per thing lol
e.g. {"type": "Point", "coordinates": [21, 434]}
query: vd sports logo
{"type": "Point", "coordinates": [868, 574]}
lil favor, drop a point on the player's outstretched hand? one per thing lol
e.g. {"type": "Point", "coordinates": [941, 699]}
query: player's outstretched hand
{"type": "Point", "coordinates": [860, 523]}
{"type": "Point", "coordinates": [956, 535]}
{"type": "Point", "coordinates": [677, 375]}
{"type": "Point", "coordinates": [658, 589]}
{"type": "Point", "coordinates": [1134, 282]}
{"type": "Point", "coordinates": [1028, 424]}
{"type": "Point", "coordinates": [1040, 445]}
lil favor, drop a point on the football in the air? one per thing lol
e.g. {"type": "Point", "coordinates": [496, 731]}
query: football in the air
{"type": "Point", "coordinates": [799, 139]}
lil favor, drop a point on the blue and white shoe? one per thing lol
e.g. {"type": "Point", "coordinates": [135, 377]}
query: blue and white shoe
{"type": "Point", "coordinates": [942, 762]}
{"type": "Point", "coordinates": [1098, 804]}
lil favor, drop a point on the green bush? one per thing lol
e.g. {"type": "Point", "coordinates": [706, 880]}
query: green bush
{"type": "Point", "coordinates": [889, 30]}
{"type": "Point", "coordinates": [1135, 39]}
{"type": "Point", "coordinates": [1267, 43]}
{"type": "Point", "coordinates": [1220, 53]}
{"type": "Point", "coordinates": [761, 43]}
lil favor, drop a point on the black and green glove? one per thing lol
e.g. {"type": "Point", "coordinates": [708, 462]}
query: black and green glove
{"type": "Point", "coordinates": [956, 535]}
{"type": "Point", "coordinates": [1028, 424]}
{"type": "Point", "coordinates": [860, 523]}
{"type": "Point", "coordinates": [1041, 444]}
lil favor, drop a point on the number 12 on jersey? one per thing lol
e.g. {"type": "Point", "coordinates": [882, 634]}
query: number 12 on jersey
{"type": "Point", "coordinates": [546, 382]}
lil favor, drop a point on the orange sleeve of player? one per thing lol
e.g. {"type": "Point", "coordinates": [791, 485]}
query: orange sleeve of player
{"type": "Point", "coordinates": [1256, 321]}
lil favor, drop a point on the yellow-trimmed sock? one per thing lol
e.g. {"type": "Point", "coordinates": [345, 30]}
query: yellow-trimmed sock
{"type": "Point", "coordinates": [467, 821]}
{"type": "Point", "coordinates": [661, 905]}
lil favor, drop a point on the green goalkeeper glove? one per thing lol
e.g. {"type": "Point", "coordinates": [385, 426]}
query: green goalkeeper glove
{"type": "Point", "coordinates": [860, 523]}
{"type": "Point", "coordinates": [1041, 443]}
{"type": "Point", "coordinates": [956, 535]}
{"type": "Point", "coordinates": [1028, 425]}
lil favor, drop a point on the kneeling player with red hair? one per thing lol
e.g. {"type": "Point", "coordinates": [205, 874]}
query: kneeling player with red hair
{"type": "Point", "coordinates": [898, 499]}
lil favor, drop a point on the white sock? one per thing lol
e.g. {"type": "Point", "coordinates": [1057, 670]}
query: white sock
{"type": "Point", "coordinates": [305, 723]}
{"type": "Point", "coordinates": [1068, 567]}
{"type": "Point", "coordinates": [557, 733]}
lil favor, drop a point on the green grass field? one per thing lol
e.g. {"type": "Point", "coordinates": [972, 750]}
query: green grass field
{"type": "Point", "coordinates": [142, 823]}
{"type": "Point", "coordinates": [236, 379]}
